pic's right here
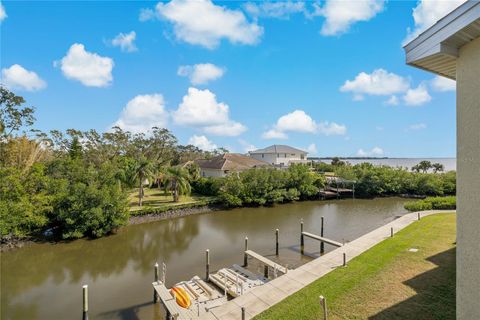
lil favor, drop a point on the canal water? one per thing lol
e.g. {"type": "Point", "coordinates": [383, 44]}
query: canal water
{"type": "Point", "coordinates": [44, 281]}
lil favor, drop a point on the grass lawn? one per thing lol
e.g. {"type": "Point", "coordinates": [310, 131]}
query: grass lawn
{"type": "Point", "coordinates": [157, 198]}
{"type": "Point", "coordinates": [388, 281]}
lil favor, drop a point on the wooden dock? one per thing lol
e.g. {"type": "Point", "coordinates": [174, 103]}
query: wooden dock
{"type": "Point", "coordinates": [235, 281]}
{"type": "Point", "coordinates": [322, 239]}
{"type": "Point", "coordinates": [266, 261]}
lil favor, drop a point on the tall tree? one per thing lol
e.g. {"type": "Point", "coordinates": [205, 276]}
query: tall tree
{"type": "Point", "coordinates": [438, 167]}
{"type": "Point", "coordinates": [144, 170]}
{"type": "Point", "coordinates": [12, 115]}
{"type": "Point", "coordinates": [178, 181]}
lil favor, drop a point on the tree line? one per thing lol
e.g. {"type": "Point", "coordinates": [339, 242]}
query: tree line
{"type": "Point", "coordinates": [75, 183]}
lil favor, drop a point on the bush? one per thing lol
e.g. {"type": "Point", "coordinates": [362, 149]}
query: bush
{"type": "Point", "coordinates": [206, 186]}
{"type": "Point", "coordinates": [432, 203]}
{"type": "Point", "coordinates": [159, 210]}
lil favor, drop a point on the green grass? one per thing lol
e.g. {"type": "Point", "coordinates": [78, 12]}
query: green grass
{"type": "Point", "coordinates": [155, 198]}
{"type": "Point", "coordinates": [387, 281]}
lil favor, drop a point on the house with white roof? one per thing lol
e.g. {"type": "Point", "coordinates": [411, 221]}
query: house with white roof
{"type": "Point", "coordinates": [451, 49]}
{"type": "Point", "coordinates": [280, 155]}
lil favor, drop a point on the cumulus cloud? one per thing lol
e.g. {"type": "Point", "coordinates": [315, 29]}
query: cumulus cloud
{"type": "Point", "coordinates": [274, 134]}
{"type": "Point", "coordinates": [142, 113]}
{"type": "Point", "coordinates": [146, 14]}
{"type": "Point", "coordinates": [125, 41]}
{"type": "Point", "coordinates": [228, 129]}
{"type": "Point", "coordinates": [87, 67]}
{"type": "Point", "coordinates": [216, 23]}
{"type": "Point", "coordinates": [393, 101]}
{"type": "Point", "coordinates": [3, 13]}
{"type": "Point", "coordinates": [340, 15]}
{"type": "Point", "coordinates": [272, 9]}
{"type": "Point", "coordinates": [200, 108]}
{"type": "Point", "coordinates": [312, 149]}
{"type": "Point", "coordinates": [246, 146]}
{"type": "Point", "coordinates": [417, 96]}
{"type": "Point", "coordinates": [202, 142]}
{"type": "Point", "coordinates": [201, 73]}
{"type": "Point", "coordinates": [379, 82]}
{"type": "Point", "coordinates": [17, 77]}
{"type": "Point", "coordinates": [443, 84]}
{"type": "Point", "coordinates": [427, 13]}
{"type": "Point", "coordinates": [299, 121]}
{"type": "Point", "coordinates": [375, 152]}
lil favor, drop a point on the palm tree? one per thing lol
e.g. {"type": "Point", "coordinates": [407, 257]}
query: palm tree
{"type": "Point", "coordinates": [178, 181]}
{"type": "Point", "coordinates": [438, 167]}
{"type": "Point", "coordinates": [144, 169]}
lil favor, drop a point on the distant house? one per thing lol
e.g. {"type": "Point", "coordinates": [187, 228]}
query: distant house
{"type": "Point", "coordinates": [280, 155]}
{"type": "Point", "coordinates": [222, 165]}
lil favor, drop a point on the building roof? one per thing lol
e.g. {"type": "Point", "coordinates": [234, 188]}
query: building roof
{"type": "Point", "coordinates": [436, 49]}
{"type": "Point", "coordinates": [278, 148]}
{"type": "Point", "coordinates": [231, 162]}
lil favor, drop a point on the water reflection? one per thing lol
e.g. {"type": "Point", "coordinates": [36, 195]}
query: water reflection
{"type": "Point", "coordinates": [43, 281]}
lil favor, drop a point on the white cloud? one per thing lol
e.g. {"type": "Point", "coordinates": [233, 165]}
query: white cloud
{"type": "Point", "coordinates": [228, 129]}
{"type": "Point", "coordinates": [142, 113]}
{"type": "Point", "coordinates": [3, 13]}
{"type": "Point", "coordinates": [203, 23]}
{"type": "Point", "coordinates": [331, 128]}
{"type": "Point", "coordinates": [417, 126]}
{"type": "Point", "coordinates": [393, 101]}
{"type": "Point", "coordinates": [125, 41]}
{"type": "Point", "coordinates": [89, 68]}
{"type": "Point", "coordinates": [202, 142]}
{"type": "Point", "coordinates": [379, 82]}
{"type": "Point", "coordinates": [17, 77]}
{"type": "Point", "coordinates": [340, 15]}
{"type": "Point", "coordinates": [271, 9]}
{"type": "Point", "coordinates": [375, 152]}
{"type": "Point", "coordinates": [200, 108]}
{"type": "Point", "coordinates": [274, 134]}
{"type": "Point", "coordinates": [417, 96]}
{"type": "Point", "coordinates": [201, 73]}
{"type": "Point", "coordinates": [296, 121]}
{"type": "Point", "coordinates": [427, 13]}
{"type": "Point", "coordinates": [299, 121]}
{"type": "Point", "coordinates": [443, 84]}
{"type": "Point", "coordinates": [246, 146]}
{"type": "Point", "coordinates": [312, 149]}
{"type": "Point", "coordinates": [146, 15]}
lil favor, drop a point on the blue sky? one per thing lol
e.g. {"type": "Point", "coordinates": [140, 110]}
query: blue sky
{"type": "Point", "coordinates": [325, 76]}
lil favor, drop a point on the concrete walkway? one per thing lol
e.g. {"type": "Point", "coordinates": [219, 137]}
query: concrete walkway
{"type": "Point", "coordinates": [261, 298]}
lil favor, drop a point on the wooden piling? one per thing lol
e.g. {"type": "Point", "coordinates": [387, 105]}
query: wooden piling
{"type": "Point", "coordinates": [276, 242]}
{"type": "Point", "coordinates": [302, 243]}
{"type": "Point", "coordinates": [156, 277]}
{"type": "Point", "coordinates": [323, 304]}
{"type": "Point", "coordinates": [207, 264]}
{"type": "Point", "coordinates": [85, 302]}
{"type": "Point", "coordinates": [391, 232]}
{"type": "Point", "coordinates": [265, 271]}
{"type": "Point", "coordinates": [322, 244]}
{"type": "Point", "coordinates": [344, 259]}
{"type": "Point", "coordinates": [243, 313]}
{"type": "Point", "coordinates": [418, 215]}
{"type": "Point", "coordinates": [245, 256]}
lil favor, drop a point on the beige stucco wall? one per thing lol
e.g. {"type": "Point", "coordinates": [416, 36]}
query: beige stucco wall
{"type": "Point", "coordinates": [468, 182]}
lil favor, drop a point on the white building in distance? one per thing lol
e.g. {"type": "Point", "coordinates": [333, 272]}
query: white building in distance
{"type": "Point", "coordinates": [280, 155]}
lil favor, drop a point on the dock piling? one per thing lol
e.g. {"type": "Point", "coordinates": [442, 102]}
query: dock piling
{"type": "Point", "coordinates": [265, 271]}
{"type": "Point", "coordinates": [276, 242]}
{"type": "Point", "coordinates": [156, 277]}
{"type": "Point", "coordinates": [302, 242]}
{"type": "Point", "coordinates": [391, 232]}
{"type": "Point", "coordinates": [344, 259]}
{"type": "Point", "coordinates": [164, 272]}
{"type": "Point", "coordinates": [207, 264]}
{"type": "Point", "coordinates": [323, 303]}
{"type": "Point", "coordinates": [243, 313]}
{"type": "Point", "coordinates": [245, 256]}
{"type": "Point", "coordinates": [322, 244]}
{"type": "Point", "coordinates": [85, 302]}
{"type": "Point", "coordinates": [418, 215]}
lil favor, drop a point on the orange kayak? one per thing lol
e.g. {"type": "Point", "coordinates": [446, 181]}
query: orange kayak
{"type": "Point", "coordinates": [181, 296]}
